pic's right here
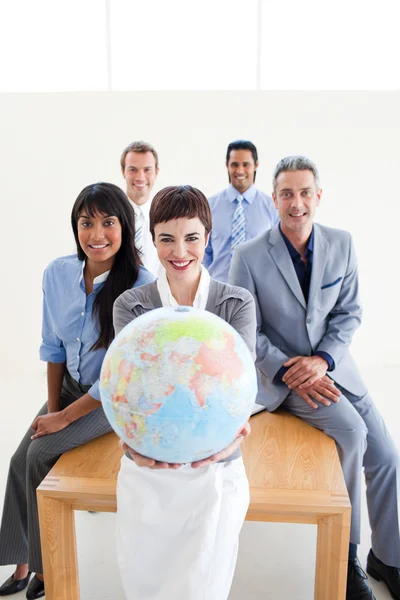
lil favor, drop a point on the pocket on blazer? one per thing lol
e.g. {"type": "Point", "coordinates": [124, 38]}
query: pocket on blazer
{"type": "Point", "coordinates": [328, 285]}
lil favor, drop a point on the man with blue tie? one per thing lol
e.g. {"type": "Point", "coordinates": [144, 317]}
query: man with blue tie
{"type": "Point", "coordinates": [304, 280]}
{"type": "Point", "coordinates": [240, 212]}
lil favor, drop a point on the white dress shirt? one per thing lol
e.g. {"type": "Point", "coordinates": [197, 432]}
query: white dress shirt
{"type": "Point", "coordinates": [148, 250]}
{"type": "Point", "coordinates": [201, 297]}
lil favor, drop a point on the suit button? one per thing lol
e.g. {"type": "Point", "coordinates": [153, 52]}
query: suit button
{"type": "Point", "coordinates": [308, 321]}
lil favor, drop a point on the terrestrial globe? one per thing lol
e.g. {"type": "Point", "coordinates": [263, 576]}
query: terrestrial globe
{"type": "Point", "coordinates": [177, 384]}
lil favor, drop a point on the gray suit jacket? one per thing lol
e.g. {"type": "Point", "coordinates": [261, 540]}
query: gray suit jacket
{"type": "Point", "coordinates": [234, 305]}
{"type": "Point", "coordinates": [286, 326]}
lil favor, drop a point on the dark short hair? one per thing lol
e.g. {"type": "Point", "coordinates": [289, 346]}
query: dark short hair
{"type": "Point", "coordinates": [242, 145]}
{"type": "Point", "coordinates": [140, 147]}
{"type": "Point", "coordinates": [177, 201]}
{"type": "Point", "coordinates": [295, 163]}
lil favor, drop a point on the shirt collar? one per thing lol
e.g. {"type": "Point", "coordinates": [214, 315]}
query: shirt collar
{"type": "Point", "coordinates": [201, 297]}
{"type": "Point", "coordinates": [294, 254]}
{"type": "Point", "coordinates": [248, 195]}
{"type": "Point", "coordinates": [143, 209]}
{"type": "Point", "coordinates": [99, 279]}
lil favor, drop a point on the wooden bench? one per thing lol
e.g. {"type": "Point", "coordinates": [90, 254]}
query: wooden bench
{"type": "Point", "coordinates": [295, 477]}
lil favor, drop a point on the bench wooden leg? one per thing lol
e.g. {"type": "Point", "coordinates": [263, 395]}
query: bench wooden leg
{"type": "Point", "coordinates": [332, 556]}
{"type": "Point", "coordinates": [57, 532]}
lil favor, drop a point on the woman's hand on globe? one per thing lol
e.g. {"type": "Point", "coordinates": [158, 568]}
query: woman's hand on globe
{"type": "Point", "coordinates": [145, 461]}
{"type": "Point", "coordinates": [226, 452]}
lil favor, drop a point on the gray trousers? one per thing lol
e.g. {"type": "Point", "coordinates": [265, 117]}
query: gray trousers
{"type": "Point", "coordinates": [362, 440]}
{"type": "Point", "coordinates": [19, 533]}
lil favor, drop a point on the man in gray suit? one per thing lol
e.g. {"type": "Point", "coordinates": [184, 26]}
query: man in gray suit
{"type": "Point", "coordinates": [303, 277]}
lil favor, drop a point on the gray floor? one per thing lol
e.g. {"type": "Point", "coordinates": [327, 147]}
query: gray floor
{"type": "Point", "coordinates": [276, 561]}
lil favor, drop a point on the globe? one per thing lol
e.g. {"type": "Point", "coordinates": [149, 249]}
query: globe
{"type": "Point", "coordinates": [177, 384]}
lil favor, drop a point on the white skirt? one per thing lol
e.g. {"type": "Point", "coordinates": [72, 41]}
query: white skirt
{"type": "Point", "coordinates": [177, 530]}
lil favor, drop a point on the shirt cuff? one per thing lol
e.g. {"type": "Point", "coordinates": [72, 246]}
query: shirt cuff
{"type": "Point", "coordinates": [94, 391]}
{"type": "Point", "coordinates": [279, 374]}
{"type": "Point", "coordinates": [52, 354]}
{"type": "Point", "coordinates": [328, 358]}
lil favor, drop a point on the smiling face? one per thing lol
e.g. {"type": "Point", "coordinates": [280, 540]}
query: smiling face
{"type": "Point", "coordinates": [296, 198]}
{"type": "Point", "coordinates": [140, 173]}
{"type": "Point", "coordinates": [180, 247]}
{"type": "Point", "coordinates": [241, 169]}
{"type": "Point", "coordinates": [100, 238]}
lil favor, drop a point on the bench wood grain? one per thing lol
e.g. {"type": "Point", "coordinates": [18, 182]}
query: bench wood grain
{"type": "Point", "coordinates": [295, 477]}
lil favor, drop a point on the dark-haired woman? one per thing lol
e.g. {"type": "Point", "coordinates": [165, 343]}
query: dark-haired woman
{"type": "Point", "coordinates": [78, 295]}
{"type": "Point", "coordinates": [178, 525]}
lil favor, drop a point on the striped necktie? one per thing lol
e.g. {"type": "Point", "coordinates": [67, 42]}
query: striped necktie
{"type": "Point", "coordinates": [139, 224]}
{"type": "Point", "coordinates": [238, 224]}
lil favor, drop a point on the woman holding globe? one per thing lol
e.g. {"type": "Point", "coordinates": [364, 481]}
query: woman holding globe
{"type": "Point", "coordinates": [178, 525]}
{"type": "Point", "coordinates": [79, 291]}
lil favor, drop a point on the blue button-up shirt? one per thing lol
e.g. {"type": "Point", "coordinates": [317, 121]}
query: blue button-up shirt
{"type": "Point", "coordinates": [303, 272]}
{"type": "Point", "coordinates": [260, 215]}
{"type": "Point", "coordinates": [68, 327]}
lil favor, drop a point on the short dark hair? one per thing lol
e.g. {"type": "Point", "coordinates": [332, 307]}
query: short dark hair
{"type": "Point", "coordinates": [140, 147]}
{"type": "Point", "coordinates": [177, 201]}
{"type": "Point", "coordinates": [242, 145]}
{"type": "Point", "coordinates": [109, 199]}
{"type": "Point", "coordinates": [295, 163]}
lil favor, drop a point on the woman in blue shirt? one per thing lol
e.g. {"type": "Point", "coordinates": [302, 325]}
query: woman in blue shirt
{"type": "Point", "coordinates": [78, 296]}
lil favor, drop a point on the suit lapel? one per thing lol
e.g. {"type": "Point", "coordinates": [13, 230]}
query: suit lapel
{"type": "Point", "coordinates": [320, 253]}
{"type": "Point", "coordinates": [282, 259]}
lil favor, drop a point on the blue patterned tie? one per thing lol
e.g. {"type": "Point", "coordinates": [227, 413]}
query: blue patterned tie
{"type": "Point", "coordinates": [238, 224]}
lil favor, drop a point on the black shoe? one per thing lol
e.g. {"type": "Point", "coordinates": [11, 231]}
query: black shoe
{"type": "Point", "coordinates": [389, 575]}
{"type": "Point", "coordinates": [357, 586]}
{"type": "Point", "coordinates": [35, 589]}
{"type": "Point", "coordinates": [12, 586]}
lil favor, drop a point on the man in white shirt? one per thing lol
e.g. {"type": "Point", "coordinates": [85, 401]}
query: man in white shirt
{"type": "Point", "coordinates": [139, 165]}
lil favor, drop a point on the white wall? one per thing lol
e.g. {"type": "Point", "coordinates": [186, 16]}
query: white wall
{"type": "Point", "coordinates": [52, 145]}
